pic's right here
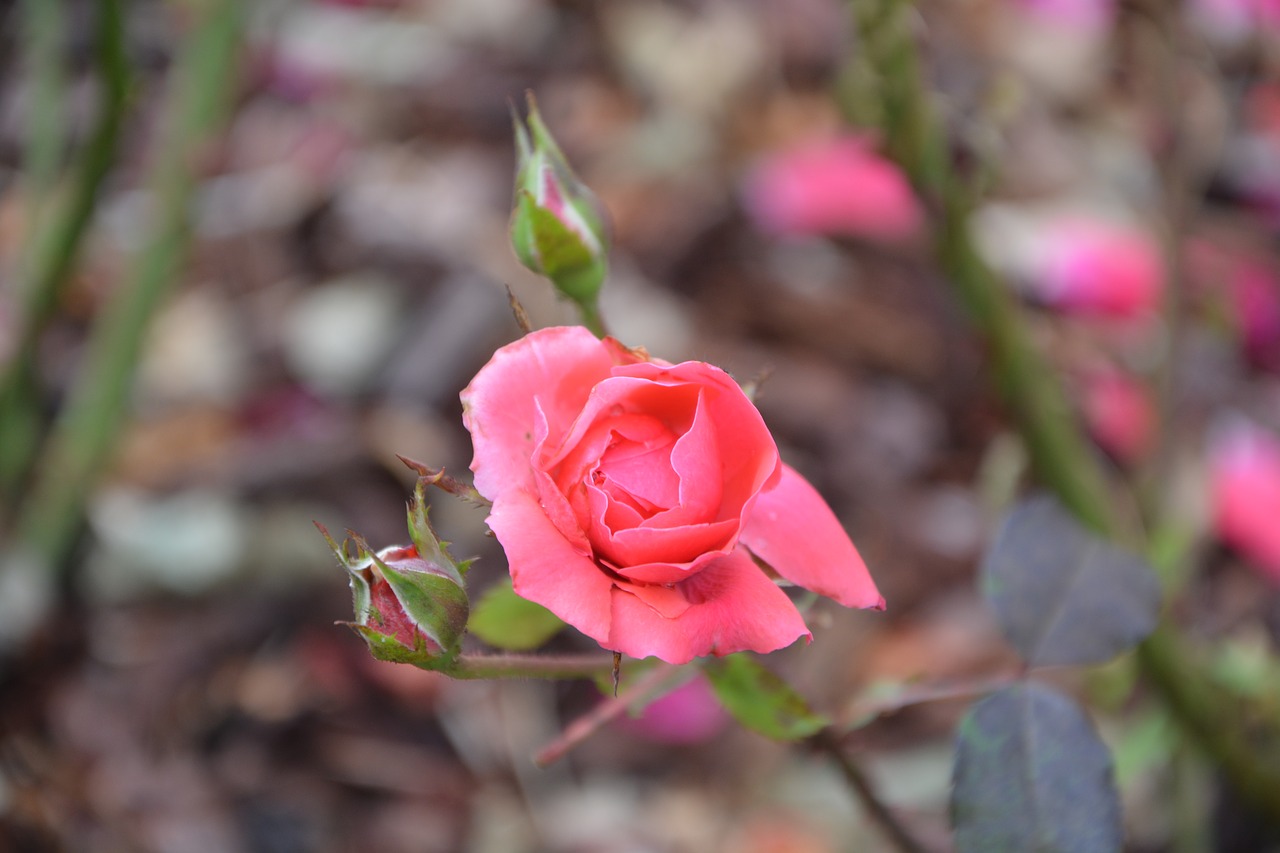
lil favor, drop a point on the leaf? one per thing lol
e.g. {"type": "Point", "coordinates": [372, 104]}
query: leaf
{"type": "Point", "coordinates": [1063, 595]}
{"type": "Point", "coordinates": [760, 700]}
{"type": "Point", "coordinates": [1031, 776]}
{"type": "Point", "coordinates": [506, 621]}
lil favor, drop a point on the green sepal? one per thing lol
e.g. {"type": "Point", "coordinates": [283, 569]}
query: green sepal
{"type": "Point", "coordinates": [760, 700]}
{"type": "Point", "coordinates": [436, 604]}
{"type": "Point", "coordinates": [425, 541]}
{"type": "Point", "coordinates": [357, 572]}
{"type": "Point", "coordinates": [504, 620]}
{"type": "Point", "coordinates": [387, 648]}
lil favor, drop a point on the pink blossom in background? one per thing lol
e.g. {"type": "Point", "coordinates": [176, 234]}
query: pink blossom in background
{"type": "Point", "coordinates": [1244, 467]}
{"type": "Point", "coordinates": [687, 715]}
{"type": "Point", "coordinates": [1243, 286]}
{"type": "Point", "coordinates": [832, 187]}
{"type": "Point", "coordinates": [1119, 412]}
{"type": "Point", "coordinates": [1094, 267]}
{"type": "Point", "coordinates": [634, 497]}
{"type": "Point", "coordinates": [1255, 298]}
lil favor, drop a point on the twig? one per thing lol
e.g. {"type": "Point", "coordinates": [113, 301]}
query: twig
{"type": "Point", "coordinates": [828, 742]}
{"type": "Point", "coordinates": [657, 680]}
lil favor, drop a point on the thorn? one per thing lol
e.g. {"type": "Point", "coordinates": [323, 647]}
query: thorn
{"type": "Point", "coordinates": [522, 316]}
{"type": "Point", "coordinates": [617, 672]}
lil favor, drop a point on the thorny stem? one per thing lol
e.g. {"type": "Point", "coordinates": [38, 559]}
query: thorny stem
{"type": "Point", "coordinates": [658, 680]}
{"type": "Point", "coordinates": [529, 666]}
{"type": "Point", "coordinates": [1056, 444]}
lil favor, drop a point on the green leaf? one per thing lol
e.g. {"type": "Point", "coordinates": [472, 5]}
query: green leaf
{"type": "Point", "coordinates": [760, 700]}
{"type": "Point", "coordinates": [1032, 775]}
{"type": "Point", "coordinates": [1061, 594]}
{"type": "Point", "coordinates": [506, 621]}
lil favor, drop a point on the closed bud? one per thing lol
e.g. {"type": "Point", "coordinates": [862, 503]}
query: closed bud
{"type": "Point", "coordinates": [557, 225]}
{"type": "Point", "coordinates": [410, 601]}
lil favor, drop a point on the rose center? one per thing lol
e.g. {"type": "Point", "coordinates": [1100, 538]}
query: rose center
{"type": "Point", "coordinates": [638, 473]}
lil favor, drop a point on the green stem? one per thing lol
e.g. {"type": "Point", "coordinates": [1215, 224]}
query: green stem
{"type": "Point", "coordinates": [529, 666]}
{"type": "Point", "coordinates": [1057, 447]}
{"type": "Point", "coordinates": [86, 432]}
{"type": "Point", "coordinates": [54, 249]}
{"type": "Point", "coordinates": [591, 317]}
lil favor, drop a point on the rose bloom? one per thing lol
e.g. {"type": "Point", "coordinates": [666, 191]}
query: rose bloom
{"type": "Point", "coordinates": [641, 501]}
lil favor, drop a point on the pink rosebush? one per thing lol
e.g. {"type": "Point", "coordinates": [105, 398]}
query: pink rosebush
{"type": "Point", "coordinates": [1092, 267]}
{"type": "Point", "coordinates": [634, 497]}
{"type": "Point", "coordinates": [1244, 465]}
{"type": "Point", "coordinates": [835, 187]}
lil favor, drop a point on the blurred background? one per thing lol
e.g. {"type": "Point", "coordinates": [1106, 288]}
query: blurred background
{"type": "Point", "coordinates": [302, 205]}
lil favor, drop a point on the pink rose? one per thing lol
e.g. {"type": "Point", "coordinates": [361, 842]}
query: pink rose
{"type": "Point", "coordinates": [833, 187]}
{"type": "Point", "coordinates": [1244, 464]}
{"type": "Point", "coordinates": [633, 498]}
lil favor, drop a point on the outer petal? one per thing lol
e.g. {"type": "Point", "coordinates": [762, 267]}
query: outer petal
{"type": "Point", "coordinates": [548, 569]}
{"type": "Point", "coordinates": [733, 607]}
{"type": "Point", "coordinates": [793, 530]}
{"type": "Point", "coordinates": [558, 367]}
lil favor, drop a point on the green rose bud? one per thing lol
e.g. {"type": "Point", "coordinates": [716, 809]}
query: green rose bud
{"type": "Point", "coordinates": [557, 226]}
{"type": "Point", "coordinates": [410, 601]}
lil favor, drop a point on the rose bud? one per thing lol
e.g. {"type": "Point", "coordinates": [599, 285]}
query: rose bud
{"type": "Point", "coordinates": [410, 601]}
{"type": "Point", "coordinates": [557, 226]}
{"type": "Point", "coordinates": [645, 503]}
{"type": "Point", "coordinates": [1244, 469]}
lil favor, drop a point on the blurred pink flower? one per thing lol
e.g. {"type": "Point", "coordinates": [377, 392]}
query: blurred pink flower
{"type": "Point", "coordinates": [1093, 267]}
{"type": "Point", "coordinates": [1244, 467]}
{"type": "Point", "coordinates": [834, 187]}
{"type": "Point", "coordinates": [689, 714]}
{"type": "Point", "coordinates": [1119, 412]}
{"type": "Point", "coordinates": [1255, 299]}
{"type": "Point", "coordinates": [1243, 286]}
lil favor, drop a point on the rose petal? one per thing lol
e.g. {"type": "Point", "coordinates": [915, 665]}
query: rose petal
{"type": "Point", "coordinates": [695, 461]}
{"type": "Point", "coordinates": [555, 367]}
{"type": "Point", "coordinates": [548, 569]}
{"type": "Point", "coordinates": [733, 607]}
{"type": "Point", "coordinates": [643, 552]}
{"type": "Point", "coordinates": [749, 457]}
{"type": "Point", "coordinates": [793, 530]}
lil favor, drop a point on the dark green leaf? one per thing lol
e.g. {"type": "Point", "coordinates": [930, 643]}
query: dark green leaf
{"type": "Point", "coordinates": [1063, 595]}
{"type": "Point", "coordinates": [760, 700]}
{"type": "Point", "coordinates": [506, 621]}
{"type": "Point", "coordinates": [1031, 776]}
